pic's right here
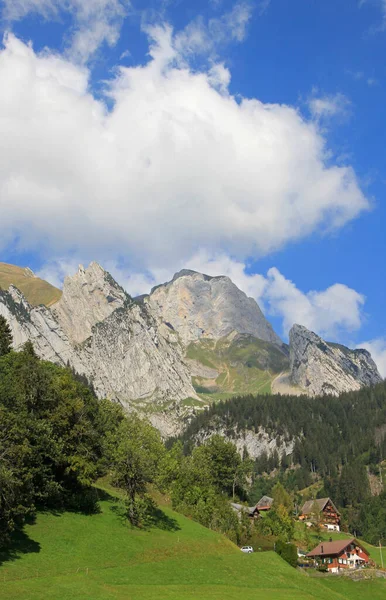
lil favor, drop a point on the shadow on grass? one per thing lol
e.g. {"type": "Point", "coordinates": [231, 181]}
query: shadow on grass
{"type": "Point", "coordinates": [84, 502]}
{"type": "Point", "coordinates": [19, 544]}
{"type": "Point", "coordinates": [161, 521]}
{"type": "Point", "coordinates": [153, 518]}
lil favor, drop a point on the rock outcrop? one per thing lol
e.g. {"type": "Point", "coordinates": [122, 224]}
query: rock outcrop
{"type": "Point", "coordinates": [319, 367]}
{"type": "Point", "coordinates": [89, 297]}
{"type": "Point", "coordinates": [98, 330]}
{"type": "Point", "coordinates": [256, 443]}
{"type": "Point", "coordinates": [199, 306]}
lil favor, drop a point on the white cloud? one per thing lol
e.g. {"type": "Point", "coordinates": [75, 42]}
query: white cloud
{"type": "Point", "coordinates": [205, 39]}
{"type": "Point", "coordinates": [377, 349]}
{"type": "Point", "coordinates": [329, 106]}
{"type": "Point", "coordinates": [327, 312]}
{"type": "Point", "coordinates": [95, 21]}
{"type": "Point", "coordinates": [175, 166]}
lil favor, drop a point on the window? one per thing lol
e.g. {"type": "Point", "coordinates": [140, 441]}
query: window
{"type": "Point", "coordinates": [340, 561]}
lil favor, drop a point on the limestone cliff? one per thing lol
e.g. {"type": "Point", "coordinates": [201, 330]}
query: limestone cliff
{"type": "Point", "coordinates": [98, 330]}
{"type": "Point", "coordinates": [199, 306]}
{"type": "Point", "coordinates": [319, 367]}
{"type": "Point", "coordinates": [89, 297]}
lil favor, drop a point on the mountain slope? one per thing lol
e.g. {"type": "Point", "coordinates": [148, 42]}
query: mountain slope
{"type": "Point", "coordinates": [193, 341]}
{"type": "Point", "coordinates": [36, 290]}
{"type": "Point", "coordinates": [319, 367]}
{"type": "Point", "coordinates": [236, 364]}
{"type": "Point", "coordinates": [116, 343]}
{"type": "Point", "coordinates": [203, 307]}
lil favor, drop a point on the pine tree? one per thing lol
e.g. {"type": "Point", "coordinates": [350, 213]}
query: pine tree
{"type": "Point", "coordinates": [5, 337]}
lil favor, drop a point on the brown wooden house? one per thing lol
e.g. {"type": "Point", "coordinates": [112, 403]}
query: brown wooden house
{"type": "Point", "coordinates": [340, 555]}
{"type": "Point", "coordinates": [328, 513]}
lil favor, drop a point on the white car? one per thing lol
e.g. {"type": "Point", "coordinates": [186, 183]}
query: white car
{"type": "Point", "coordinates": [247, 549]}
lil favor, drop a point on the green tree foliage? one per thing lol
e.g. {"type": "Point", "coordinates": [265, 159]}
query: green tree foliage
{"type": "Point", "coordinates": [328, 433]}
{"type": "Point", "coordinates": [371, 521]}
{"type": "Point", "coordinates": [282, 498]}
{"type": "Point", "coordinates": [51, 438]}
{"type": "Point", "coordinates": [136, 453]}
{"type": "Point", "coordinates": [278, 523]}
{"type": "Point", "coordinates": [5, 337]}
{"type": "Point", "coordinates": [288, 552]}
{"type": "Point", "coordinates": [203, 482]}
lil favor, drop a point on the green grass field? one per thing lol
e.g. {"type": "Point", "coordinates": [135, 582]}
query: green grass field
{"type": "Point", "coordinates": [99, 557]}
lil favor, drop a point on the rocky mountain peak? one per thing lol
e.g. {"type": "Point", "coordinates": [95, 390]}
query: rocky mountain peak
{"type": "Point", "coordinates": [199, 306]}
{"type": "Point", "coordinates": [89, 297]}
{"type": "Point", "coordinates": [321, 367]}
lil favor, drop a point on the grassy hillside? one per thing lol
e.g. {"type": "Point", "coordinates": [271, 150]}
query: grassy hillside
{"type": "Point", "coordinates": [36, 290]}
{"type": "Point", "coordinates": [240, 365]}
{"type": "Point", "coordinates": [73, 556]}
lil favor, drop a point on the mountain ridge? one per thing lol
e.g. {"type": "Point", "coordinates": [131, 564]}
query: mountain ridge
{"type": "Point", "coordinates": [192, 341]}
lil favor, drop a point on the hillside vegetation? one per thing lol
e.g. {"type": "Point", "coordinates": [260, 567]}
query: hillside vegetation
{"type": "Point", "coordinates": [240, 364]}
{"type": "Point", "coordinates": [98, 557]}
{"type": "Point", "coordinates": [340, 443]}
{"type": "Point", "coordinates": [36, 290]}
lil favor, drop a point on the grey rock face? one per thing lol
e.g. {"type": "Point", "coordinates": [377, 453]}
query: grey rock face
{"type": "Point", "coordinates": [103, 334]}
{"type": "Point", "coordinates": [89, 297]}
{"type": "Point", "coordinates": [199, 306]}
{"type": "Point", "coordinates": [38, 325]}
{"type": "Point", "coordinates": [320, 368]}
{"type": "Point", "coordinates": [255, 442]}
{"type": "Point", "coordinates": [133, 359]}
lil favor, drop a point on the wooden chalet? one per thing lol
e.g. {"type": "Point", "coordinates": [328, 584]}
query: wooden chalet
{"type": "Point", "coordinates": [340, 555]}
{"type": "Point", "coordinates": [264, 504]}
{"type": "Point", "coordinates": [329, 514]}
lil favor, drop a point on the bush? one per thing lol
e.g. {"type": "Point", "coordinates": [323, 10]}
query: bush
{"type": "Point", "coordinates": [288, 552]}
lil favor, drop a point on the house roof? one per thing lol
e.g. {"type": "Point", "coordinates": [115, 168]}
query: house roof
{"type": "Point", "coordinates": [264, 501]}
{"type": "Point", "coordinates": [240, 507]}
{"type": "Point", "coordinates": [333, 548]}
{"type": "Point", "coordinates": [321, 502]}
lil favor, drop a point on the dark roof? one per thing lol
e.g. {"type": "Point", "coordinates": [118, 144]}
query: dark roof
{"type": "Point", "coordinates": [240, 507]}
{"type": "Point", "coordinates": [321, 502]}
{"type": "Point", "coordinates": [333, 548]}
{"type": "Point", "coordinates": [264, 501]}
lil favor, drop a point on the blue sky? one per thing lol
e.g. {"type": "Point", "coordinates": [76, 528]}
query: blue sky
{"type": "Point", "coordinates": [236, 137]}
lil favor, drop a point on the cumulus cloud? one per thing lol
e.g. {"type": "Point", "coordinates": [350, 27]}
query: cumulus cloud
{"type": "Point", "coordinates": [377, 349]}
{"type": "Point", "coordinates": [327, 312]}
{"type": "Point", "coordinates": [178, 163]}
{"type": "Point", "coordinates": [95, 21]}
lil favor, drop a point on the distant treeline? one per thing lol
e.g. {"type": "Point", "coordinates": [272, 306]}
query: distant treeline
{"type": "Point", "coordinates": [328, 432]}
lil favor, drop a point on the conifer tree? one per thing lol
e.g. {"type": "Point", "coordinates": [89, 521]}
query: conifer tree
{"type": "Point", "coordinates": [5, 337]}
